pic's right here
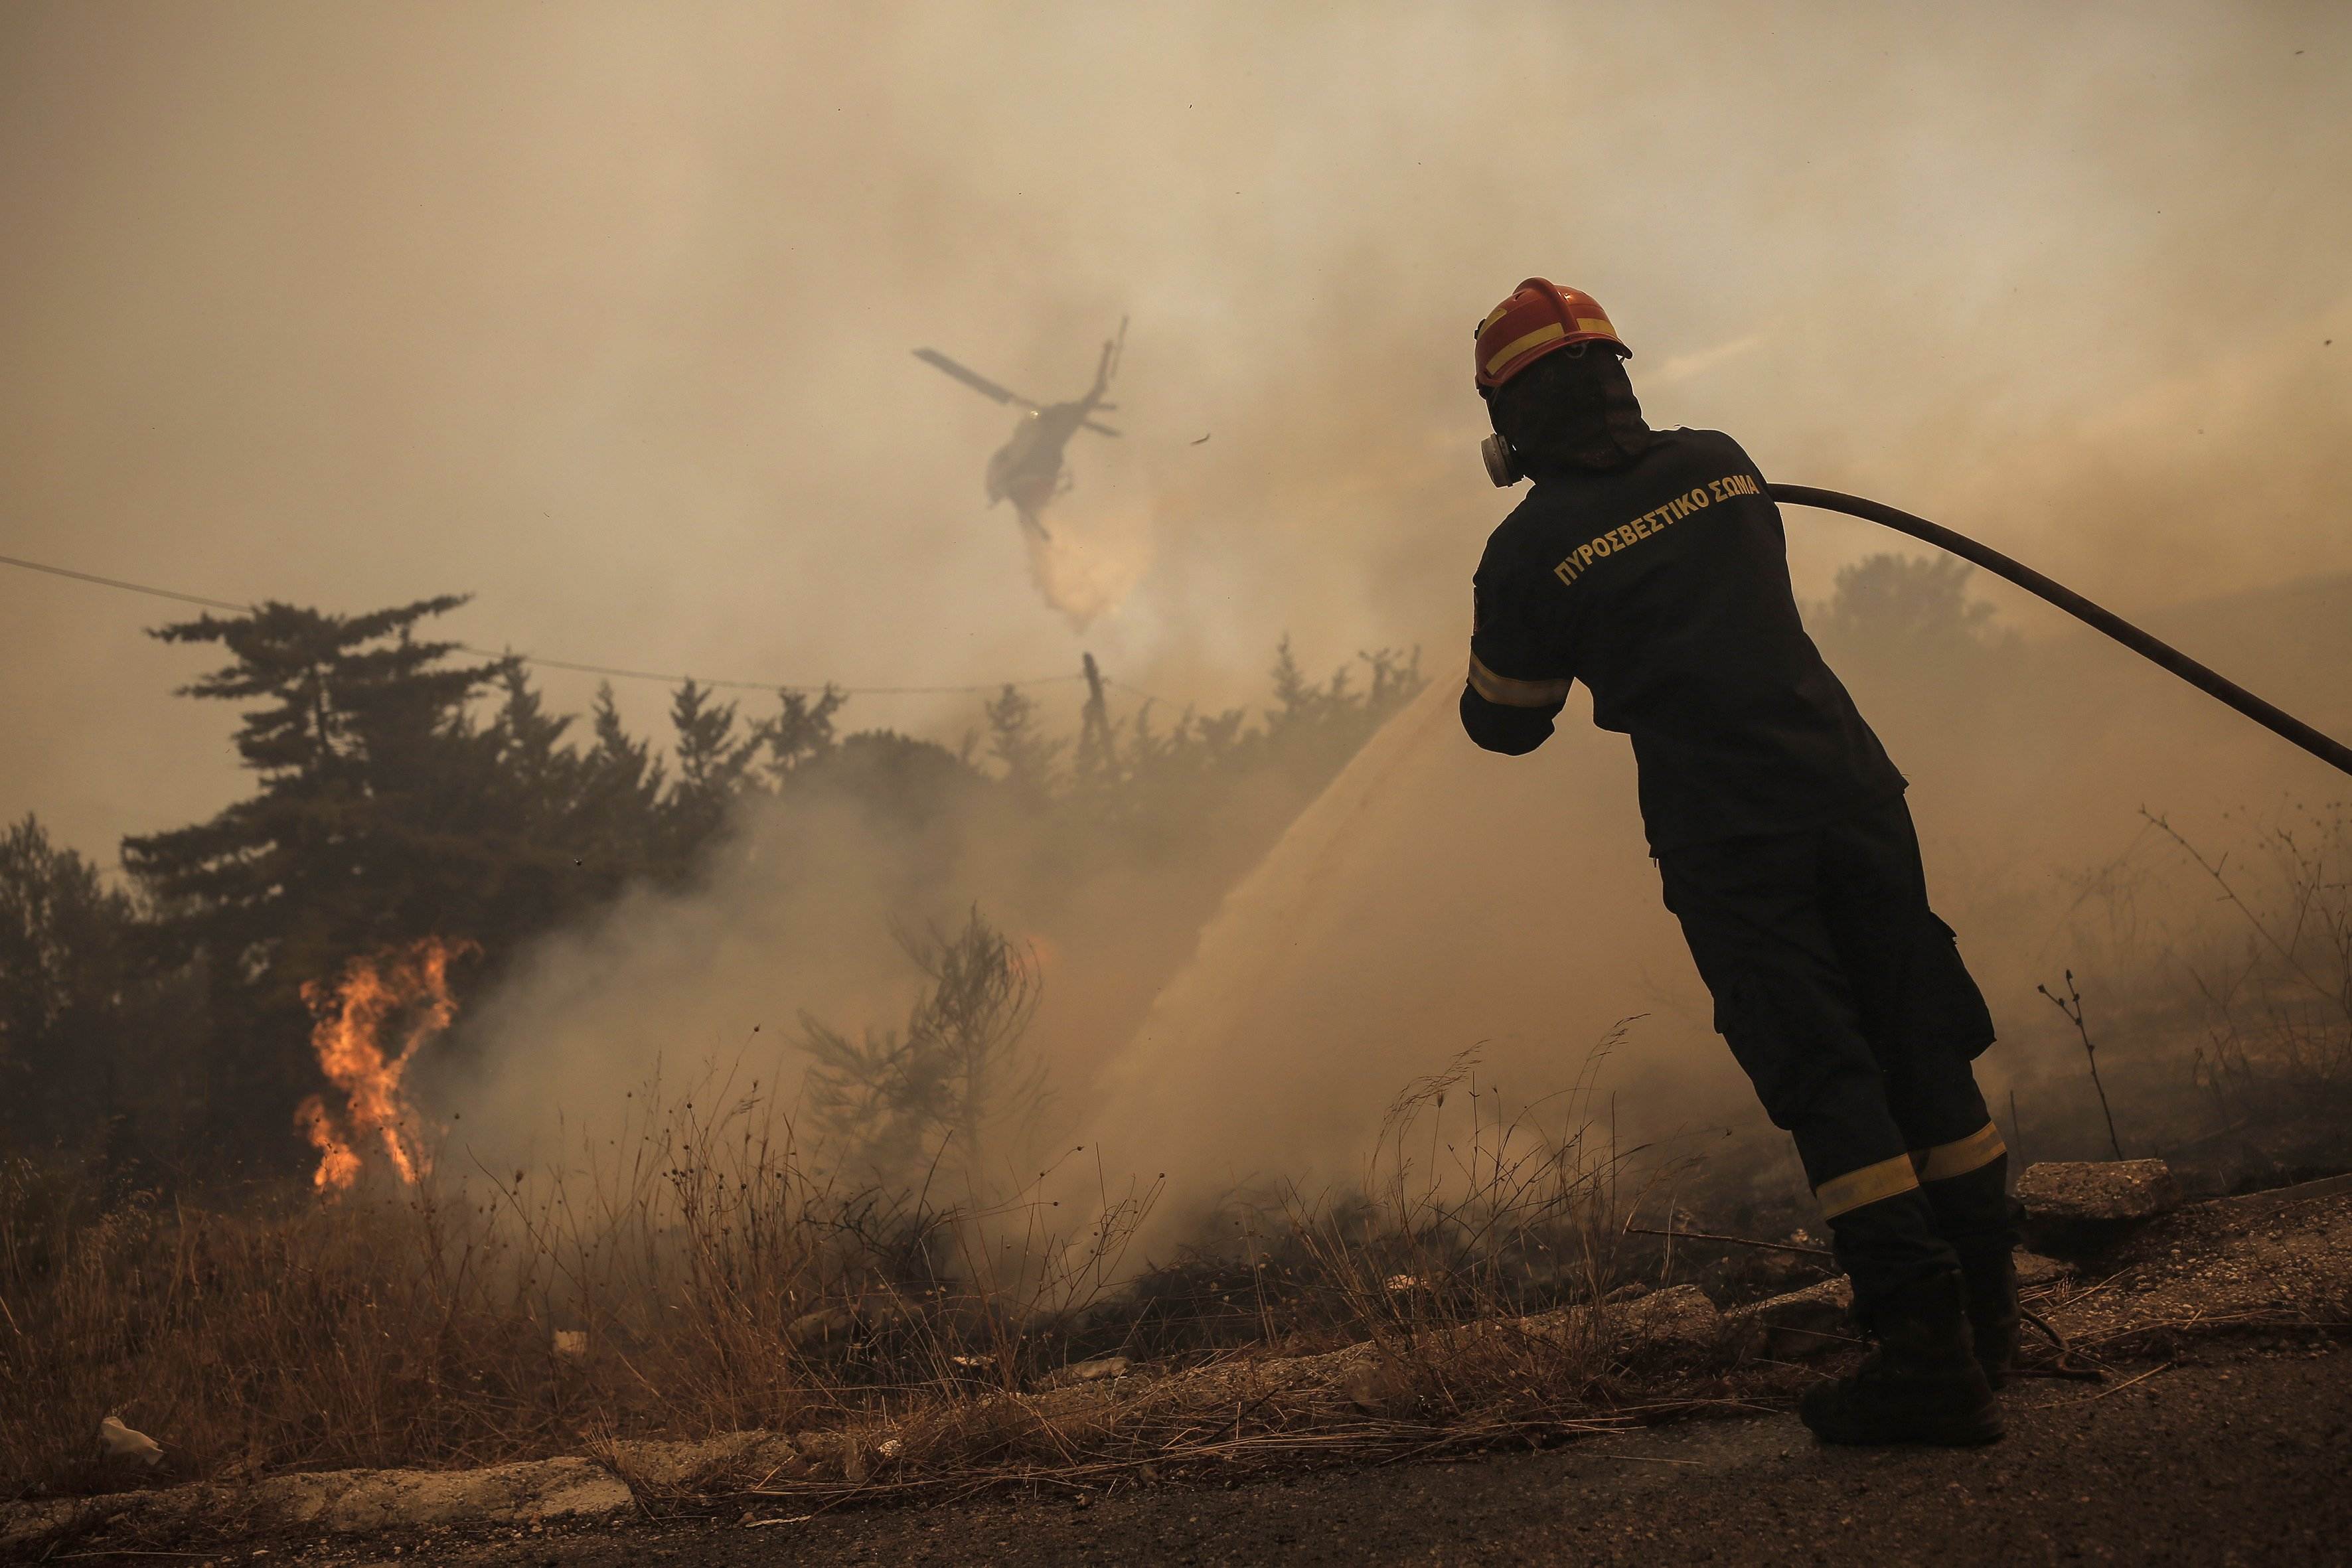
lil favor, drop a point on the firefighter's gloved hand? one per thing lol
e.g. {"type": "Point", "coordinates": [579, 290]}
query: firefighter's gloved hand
{"type": "Point", "coordinates": [1497, 727]}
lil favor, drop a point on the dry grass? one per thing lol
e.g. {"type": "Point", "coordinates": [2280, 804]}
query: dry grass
{"type": "Point", "coordinates": [2218, 975]}
{"type": "Point", "coordinates": [2278, 1011]}
{"type": "Point", "coordinates": [713, 1280]}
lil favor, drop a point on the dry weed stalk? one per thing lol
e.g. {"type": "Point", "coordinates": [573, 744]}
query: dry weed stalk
{"type": "Point", "coordinates": [1446, 1247]}
{"type": "Point", "coordinates": [2278, 1020]}
{"type": "Point", "coordinates": [702, 1272]}
{"type": "Point", "coordinates": [2072, 1006]}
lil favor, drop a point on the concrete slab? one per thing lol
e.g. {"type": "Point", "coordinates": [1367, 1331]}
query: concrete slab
{"type": "Point", "coordinates": [2080, 1192]}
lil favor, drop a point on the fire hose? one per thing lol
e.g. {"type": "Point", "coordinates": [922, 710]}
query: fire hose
{"type": "Point", "coordinates": [2279, 721]}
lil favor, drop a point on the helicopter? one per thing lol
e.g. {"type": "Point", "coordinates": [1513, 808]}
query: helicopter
{"type": "Point", "coordinates": [1027, 469]}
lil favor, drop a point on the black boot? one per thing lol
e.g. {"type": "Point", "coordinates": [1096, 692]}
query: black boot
{"type": "Point", "coordinates": [1990, 1278]}
{"type": "Point", "coordinates": [1921, 1385]}
{"type": "Point", "coordinates": [1976, 1215]}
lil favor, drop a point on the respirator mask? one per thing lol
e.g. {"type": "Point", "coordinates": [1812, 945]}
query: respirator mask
{"type": "Point", "coordinates": [1502, 461]}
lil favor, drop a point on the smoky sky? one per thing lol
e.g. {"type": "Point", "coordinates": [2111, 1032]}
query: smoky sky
{"type": "Point", "coordinates": [602, 313]}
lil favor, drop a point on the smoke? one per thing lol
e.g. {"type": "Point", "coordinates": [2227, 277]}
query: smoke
{"type": "Point", "coordinates": [602, 315]}
{"type": "Point", "coordinates": [805, 913]}
{"type": "Point", "coordinates": [1435, 900]}
{"type": "Point", "coordinates": [602, 312]}
{"type": "Point", "coordinates": [1439, 899]}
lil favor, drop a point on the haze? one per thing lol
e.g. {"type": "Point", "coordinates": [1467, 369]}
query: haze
{"type": "Point", "coordinates": [603, 313]}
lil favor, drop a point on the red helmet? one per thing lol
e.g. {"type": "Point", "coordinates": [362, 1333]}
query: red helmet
{"type": "Point", "coordinates": [1538, 317]}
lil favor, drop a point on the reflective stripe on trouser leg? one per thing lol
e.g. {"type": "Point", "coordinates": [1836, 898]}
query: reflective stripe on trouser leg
{"type": "Point", "coordinates": [1962, 1156]}
{"type": "Point", "coordinates": [1882, 1231]}
{"type": "Point", "coordinates": [1886, 1179]}
{"type": "Point", "coordinates": [1966, 1182]}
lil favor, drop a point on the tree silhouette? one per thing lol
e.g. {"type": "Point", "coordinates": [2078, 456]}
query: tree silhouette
{"type": "Point", "coordinates": [402, 791]}
{"type": "Point", "coordinates": [902, 1103]}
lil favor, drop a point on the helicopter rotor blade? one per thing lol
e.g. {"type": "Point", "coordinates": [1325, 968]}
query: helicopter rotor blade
{"type": "Point", "coordinates": [972, 379]}
{"type": "Point", "coordinates": [1099, 427]}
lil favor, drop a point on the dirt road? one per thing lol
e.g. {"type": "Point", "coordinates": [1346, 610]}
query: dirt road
{"type": "Point", "coordinates": [2244, 1457]}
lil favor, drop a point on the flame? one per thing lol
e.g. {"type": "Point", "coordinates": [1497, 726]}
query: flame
{"type": "Point", "coordinates": [338, 1162]}
{"type": "Point", "coordinates": [405, 988]}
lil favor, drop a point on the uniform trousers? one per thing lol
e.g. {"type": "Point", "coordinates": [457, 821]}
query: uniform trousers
{"type": "Point", "coordinates": [1845, 1000]}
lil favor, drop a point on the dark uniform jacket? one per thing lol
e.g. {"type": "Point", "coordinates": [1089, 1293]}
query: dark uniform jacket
{"type": "Point", "coordinates": [1664, 586]}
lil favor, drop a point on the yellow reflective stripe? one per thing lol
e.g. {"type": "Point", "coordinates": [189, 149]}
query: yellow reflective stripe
{"type": "Point", "coordinates": [1496, 315]}
{"type": "Point", "coordinates": [1595, 325]}
{"type": "Point", "coordinates": [1887, 1179]}
{"type": "Point", "coordinates": [1518, 346]}
{"type": "Point", "coordinates": [1973, 1153]}
{"type": "Point", "coordinates": [1509, 693]}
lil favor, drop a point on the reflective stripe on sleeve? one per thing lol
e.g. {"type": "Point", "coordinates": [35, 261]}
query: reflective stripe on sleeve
{"type": "Point", "coordinates": [1505, 692]}
{"type": "Point", "coordinates": [1887, 1179]}
{"type": "Point", "coordinates": [1973, 1153]}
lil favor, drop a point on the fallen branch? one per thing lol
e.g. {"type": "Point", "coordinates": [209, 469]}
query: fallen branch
{"type": "Point", "coordinates": [1731, 1240]}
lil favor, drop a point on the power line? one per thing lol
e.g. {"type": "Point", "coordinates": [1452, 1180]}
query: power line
{"type": "Point", "coordinates": [1135, 691]}
{"type": "Point", "coordinates": [543, 663]}
{"type": "Point", "coordinates": [119, 583]}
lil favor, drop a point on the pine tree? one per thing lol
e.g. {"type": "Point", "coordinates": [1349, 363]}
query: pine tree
{"type": "Point", "coordinates": [619, 805]}
{"type": "Point", "coordinates": [96, 1039]}
{"type": "Point", "coordinates": [713, 761]}
{"type": "Point", "coordinates": [366, 830]}
{"type": "Point", "coordinates": [1016, 742]}
{"type": "Point", "coordinates": [64, 942]}
{"type": "Point", "coordinates": [801, 733]}
{"type": "Point", "coordinates": [899, 1103]}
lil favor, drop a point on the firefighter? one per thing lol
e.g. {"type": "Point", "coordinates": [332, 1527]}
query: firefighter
{"type": "Point", "coordinates": [1651, 566]}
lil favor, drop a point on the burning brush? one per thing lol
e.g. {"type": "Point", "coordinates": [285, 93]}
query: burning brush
{"type": "Point", "coordinates": [402, 993]}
